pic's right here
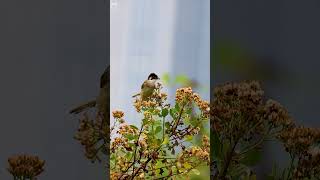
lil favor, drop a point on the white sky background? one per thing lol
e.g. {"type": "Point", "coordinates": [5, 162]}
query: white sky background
{"type": "Point", "coordinates": [161, 36]}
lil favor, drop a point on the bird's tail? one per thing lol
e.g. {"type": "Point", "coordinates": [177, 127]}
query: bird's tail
{"type": "Point", "coordinates": [136, 95]}
{"type": "Point", "coordinates": [82, 107]}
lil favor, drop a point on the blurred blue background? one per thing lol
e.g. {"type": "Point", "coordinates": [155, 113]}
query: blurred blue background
{"type": "Point", "coordinates": [161, 36]}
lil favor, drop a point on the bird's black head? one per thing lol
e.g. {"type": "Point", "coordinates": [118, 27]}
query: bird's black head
{"type": "Point", "coordinates": [153, 76]}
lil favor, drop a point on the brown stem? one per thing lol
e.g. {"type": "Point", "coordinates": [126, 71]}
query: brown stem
{"type": "Point", "coordinates": [228, 161]}
{"type": "Point", "coordinates": [178, 120]}
{"type": "Point", "coordinates": [141, 167]}
{"type": "Point", "coordinates": [145, 164]}
{"type": "Point", "coordinates": [292, 157]}
{"type": "Point", "coordinates": [135, 152]}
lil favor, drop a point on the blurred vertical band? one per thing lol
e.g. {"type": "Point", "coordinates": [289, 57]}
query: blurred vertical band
{"type": "Point", "coordinates": [211, 78]}
{"type": "Point", "coordinates": [107, 4]}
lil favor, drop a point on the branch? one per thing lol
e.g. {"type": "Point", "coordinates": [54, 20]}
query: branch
{"type": "Point", "coordinates": [228, 160]}
{"type": "Point", "coordinates": [174, 128]}
{"type": "Point", "coordinates": [135, 152]}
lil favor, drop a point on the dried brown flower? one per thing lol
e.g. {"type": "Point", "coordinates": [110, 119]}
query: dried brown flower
{"type": "Point", "coordinates": [308, 165]}
{"type": "Point", "coordinates": [25, 166]}
{"type": "Point", "coordinates": [206, 143]}
{"type": "Point", "coordinates": [187, 96]}
{"type": "Point", "coordinates": [298, 140]}
{"type": "Point", "coordinates": [184, 94]}
{"type": "Point", "coordinates": [194, 152]}
{"type": "Point", "coordinates": [139, 104]}
{"type": "Point", "coordinates": [238, 104]}
{"type": "Point", "coordinates": [277, 115]}
{"type": "Point", "coordinates": [92, 134]}
{"type": "Point", "coordinates": [118, 114]}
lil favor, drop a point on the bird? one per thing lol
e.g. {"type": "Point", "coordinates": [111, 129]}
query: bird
{"type": "Point", "coordinates": [148, 86]}
{"type": "Point", "coordinates": [102, 100]}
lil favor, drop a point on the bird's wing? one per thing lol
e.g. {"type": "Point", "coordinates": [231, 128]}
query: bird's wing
{"type": "Point", "coordinates": [144, 84]}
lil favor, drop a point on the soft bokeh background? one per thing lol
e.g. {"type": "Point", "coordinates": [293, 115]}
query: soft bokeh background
{"type": "Point", "coordinates": [52, 54]}
{"type": "Point", "coordinates": [161, 36]}
{"type": "Point", "coordinates": [276, 42]}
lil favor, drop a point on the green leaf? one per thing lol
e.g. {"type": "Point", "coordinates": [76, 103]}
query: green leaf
{"type": "Point", "coordinates": [187, 165]}
{"type": "Point", "coordinates": [158, 164]}
{"type": "Point", "coordinates": [158, 129]}
{"type": "Point", "coordinates": [173, 113]}
{"type": "Point", "coordinates": [252, 157]}
{"type": "Point", "coordinates": [130, 136]}
{"type": "Point", "coordinates": [186, 121]}
{"type": "Point", "coordinates": [166, 140]}
{"type": "Point", "coordinates": [145, 121]}
{"type": "Point", "coordinates": [134, 127]}
{"type": "Point", "coordinates": [189, 138]}
{"type": "Point", "coordinates": [189, 111]}
{"type": "Point", "coordinates": [161, 171]}
{"type": "Point", "coordinates": [164, 112]}
{"type": "Point", "coordinates": [167, 125]}
{"type": "Point", "coordinates": [177, 107]}
{"type": "Point", "coordinates": [128, 155]}
{"type": "Point", "coordinates": [195, 171]}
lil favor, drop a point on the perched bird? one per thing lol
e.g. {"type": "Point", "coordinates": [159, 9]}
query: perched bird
{"type": "Point", "coordinates": [148, 87]}
{"type": "Point", "coordinates": [102, 101]}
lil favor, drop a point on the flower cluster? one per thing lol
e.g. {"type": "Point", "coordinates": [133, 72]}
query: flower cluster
{"type": "Point", "coordinates": [25, 166]}
{"type": "Point", "coordinates": [277, 115]}
{"type": "Point", "coordinates": [192, 155]}
{"type": "Point", "coordinates": [140, 104]}
{"type": "Point", "coordinates": [195, 152]}
{"type": "Point", "coordinates": [243, 119]}
{"type": "Point", "coordinates": [309, 165]}
{"type": "Point", "coordinates": [298, 140]}
{"type": "Point", "coordinates": [206, 143]}
{"type": "Point", "coordinates": [126, 129]}
{"type": "Point", "coordinates": [92, 134]}
{"type": "Point", "coordinates": [186, 96]}
{"type": "Point", "coordinates": [236, 108]}
{"type": "Point", "coordinates": [118, 114]}
{"type": "Point", "coordinates": [141, 153]}
{"type": "Point", "coordinates": [203, 105]}
{"type": "Point", "coordinates": [248, 91]}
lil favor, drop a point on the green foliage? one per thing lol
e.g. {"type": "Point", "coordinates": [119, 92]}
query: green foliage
{"type": "Point", "coordinates": [179, 80]}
